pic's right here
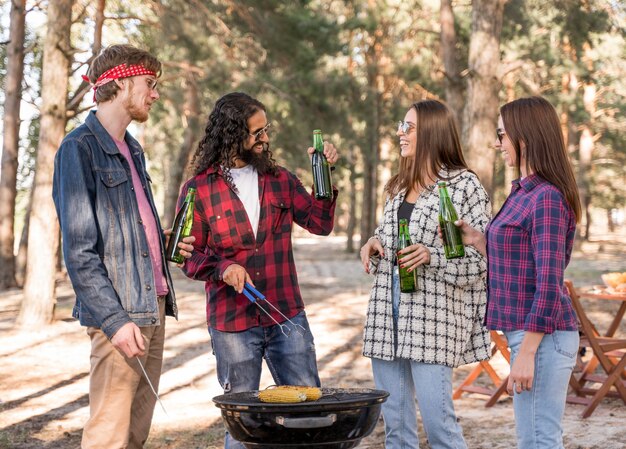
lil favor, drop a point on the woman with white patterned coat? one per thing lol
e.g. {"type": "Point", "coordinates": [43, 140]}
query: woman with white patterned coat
{"type": "Point", "coordinates": [416, 339]}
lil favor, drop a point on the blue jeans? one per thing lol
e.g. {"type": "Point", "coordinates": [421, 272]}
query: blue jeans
{"type": "Point", "coordinates": [539, 412]}
{"type": "Point", "coordinates": [239, 357]}
{"type": "Point", "coordinates": [431, 384]}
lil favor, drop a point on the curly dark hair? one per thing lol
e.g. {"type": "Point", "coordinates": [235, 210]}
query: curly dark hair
{"type": "Point", "coordinates": [225, 134]}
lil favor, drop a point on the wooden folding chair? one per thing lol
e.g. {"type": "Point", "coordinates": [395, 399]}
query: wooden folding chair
{"type": "Point", "coordinates": [608, 353]}
{"type": "Point", "coordinates": [499, 345]}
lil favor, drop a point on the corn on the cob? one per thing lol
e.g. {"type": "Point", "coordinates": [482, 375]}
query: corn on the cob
{"type": "Point", "coordinates": [281, 395]}
{"type": "Point", "coordinates": [312, 393]}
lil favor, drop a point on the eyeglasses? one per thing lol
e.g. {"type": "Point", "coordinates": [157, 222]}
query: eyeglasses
{"type": "Point", "coordinates": [152, 83]}
{"type": "Point", "coordinates": [405, 127]}
{"type": "Point", "coordinates": [500, 133]}
{"type": "Point", "coordinates": [257, 135]}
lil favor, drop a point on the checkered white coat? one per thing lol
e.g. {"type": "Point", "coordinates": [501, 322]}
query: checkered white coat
{"type": "Point", "coordinates": [442, 322]}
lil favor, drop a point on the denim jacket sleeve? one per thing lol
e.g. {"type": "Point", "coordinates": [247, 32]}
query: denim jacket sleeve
{"type": "Point", "coordinates": [74, 193]}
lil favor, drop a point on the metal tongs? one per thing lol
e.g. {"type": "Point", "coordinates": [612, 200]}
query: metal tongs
{"type": "Point", "coordinates": [254, 296]}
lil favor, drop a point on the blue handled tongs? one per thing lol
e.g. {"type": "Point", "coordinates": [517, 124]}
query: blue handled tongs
{"type": "Point", "coordinates": [254, 296]}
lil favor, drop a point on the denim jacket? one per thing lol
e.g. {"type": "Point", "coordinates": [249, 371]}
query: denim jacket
{"type": "Point", "coordinates": [104, 243]}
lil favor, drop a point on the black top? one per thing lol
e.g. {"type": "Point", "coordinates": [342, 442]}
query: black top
{"type": "Point", "coordinates": [405, 210]}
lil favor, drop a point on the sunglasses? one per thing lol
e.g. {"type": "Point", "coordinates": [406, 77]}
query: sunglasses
{"type": "Point", "coordinates": [405, 127]}
{"type": "Point", "coordinates": [500, 133]}
{"type": "Point", "coordinates": [257, 135]}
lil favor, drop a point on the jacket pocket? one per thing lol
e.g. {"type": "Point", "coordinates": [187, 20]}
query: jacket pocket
{"type": "Point", "coordinates": [113, 178]}
{"type": "Point", "coordinates": [116, 189]}
{"type": "Point", "coordinates": [281, 214]}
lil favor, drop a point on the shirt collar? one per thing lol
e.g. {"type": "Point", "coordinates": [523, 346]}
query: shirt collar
{"type": "Point", "coordinates": [104, 138]}
{"type": "Point", "coordinates": [528, 183]}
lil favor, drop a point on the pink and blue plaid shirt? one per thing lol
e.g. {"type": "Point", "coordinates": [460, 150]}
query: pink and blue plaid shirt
{"type": "Point", "coordinates": [529, 244]}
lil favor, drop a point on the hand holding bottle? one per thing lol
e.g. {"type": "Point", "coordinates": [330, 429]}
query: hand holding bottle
{"type": "Point", "coordinates": [186, 245]}
{"type": "Point", "coordinates": [323, 156]}
{"type": "Point", "coordinates": [413, 256]}
{"type": "Point", "coordinates": [329, 151]}
{"type": "Point", "coordinates": [471, 237]}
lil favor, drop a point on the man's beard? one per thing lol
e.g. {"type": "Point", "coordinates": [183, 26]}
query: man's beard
{"type": "Point", "coordinates": [136, 112]}
{"type": "Point", "coordinates": [260, 161]}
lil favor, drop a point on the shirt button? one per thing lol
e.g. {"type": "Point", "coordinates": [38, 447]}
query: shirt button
{"type": "Point", "coordinates": [148, 287]}
{"type": "Point", "coordinates": [140, 221]}
{"type": "Point", "coordinates": [132, 188]}
{"type": "Point", "coordinates": [256, 250]}
{"type": "Point", "coordinates": [258, 274]}
{"type": "Point", "coordinates": [144, 254]}
{"type": "Point", "coordinates": [153, 320]}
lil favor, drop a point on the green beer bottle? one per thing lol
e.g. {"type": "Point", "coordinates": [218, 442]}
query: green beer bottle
{"type": "Point", "coordinates": [322, 186]}
{"type": "Point", "coordinates": [181, 228]}
{"type": "Point", "coordinates": [450, 234]}
{"type": "Point", "coordinates": [408, 281]}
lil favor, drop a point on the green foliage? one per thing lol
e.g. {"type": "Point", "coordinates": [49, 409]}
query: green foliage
{"type": "Point", "coordinates": [352, 68]}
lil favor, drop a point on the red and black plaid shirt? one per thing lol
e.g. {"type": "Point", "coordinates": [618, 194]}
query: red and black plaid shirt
{"type": "Point", "coordinates": [224, 236]}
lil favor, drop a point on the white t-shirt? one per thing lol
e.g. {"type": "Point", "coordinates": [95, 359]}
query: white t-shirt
{"type": "Point", "coordinates": [246, 180]}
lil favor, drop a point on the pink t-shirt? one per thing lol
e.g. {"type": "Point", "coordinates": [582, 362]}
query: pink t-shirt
{"type": "Point", "coordinates": [149, 223]}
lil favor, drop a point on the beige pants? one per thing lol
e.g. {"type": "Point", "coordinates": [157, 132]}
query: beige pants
{"type": "Point", "coordinates": [121, 402]}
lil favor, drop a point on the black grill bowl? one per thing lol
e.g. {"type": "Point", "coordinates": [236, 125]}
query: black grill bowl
{"type": "Point", "coordinates": [338, 420]}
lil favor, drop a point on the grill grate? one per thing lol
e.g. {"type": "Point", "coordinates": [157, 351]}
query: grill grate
{"type": "Point", "coordinates": [329, 396]}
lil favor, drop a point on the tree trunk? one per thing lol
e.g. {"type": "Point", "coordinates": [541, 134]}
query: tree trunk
{"type": "Point", "coordinates": [20, 260]}
{"type": "Point", "coordinates": [179, 164]}
{"type": "Point", "coordinates": [43, 238]}
{"type": "Point", "coordinates": [370, 172]}
{"type": "Point", "coordinates": [74, 103]}
{"type": "Point", "coordinates": [11, 124]}
{"type": "Point", "coordinates": [584, 165]}
{"type": "Point", "coordinates": [481, 108]}
{"type": "Point", "coordinates": [609, 221]}
{"type": "Point", "coordinates": [351, 226]}
{"type": "Point", "coordinates": [453, 81]}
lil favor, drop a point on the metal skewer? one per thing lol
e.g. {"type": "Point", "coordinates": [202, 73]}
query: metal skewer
{"type": "Point", "coordinates": [253, 299]}
{"type": "Point", "coordinates": [261, 296]}
{"type": "Point", "coordinates": [151, 387]}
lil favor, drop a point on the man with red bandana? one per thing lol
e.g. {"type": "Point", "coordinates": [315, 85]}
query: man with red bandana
{"type": "Point", "coordinates": [113, 246]}
{"type": "Point", "coordinates": [246, 206]}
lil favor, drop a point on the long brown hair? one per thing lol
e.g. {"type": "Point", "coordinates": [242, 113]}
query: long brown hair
{"type": "Point", "coordinates": [437, 146]}
{"type": "Point", "coordinates": [534, 122]}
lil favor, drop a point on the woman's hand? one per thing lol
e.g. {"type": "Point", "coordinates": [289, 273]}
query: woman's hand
{"type": "Point", "coordinates": [522, 373]}
{"type": "Point", "coordinates": [471, 237]}
{"type": "Point", "coordinates": [371, 248]}
{"type": "Point", "coordinates": [523, 369]}
{"type": "Point", "coordinates": [413, 256]}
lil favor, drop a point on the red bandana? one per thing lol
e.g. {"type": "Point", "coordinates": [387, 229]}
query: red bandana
{"type": "Point", "coordinates": [118, 72]}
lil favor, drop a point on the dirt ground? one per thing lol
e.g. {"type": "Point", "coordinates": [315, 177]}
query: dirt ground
{"type": "Point", "coordinates": [44, 372]}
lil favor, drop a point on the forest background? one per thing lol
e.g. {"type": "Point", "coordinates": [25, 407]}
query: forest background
{"type": "Point", "coordinates": [351, 68]}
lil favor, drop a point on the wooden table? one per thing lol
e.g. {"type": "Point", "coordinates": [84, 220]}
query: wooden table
{"type": "Point", "coordinates": [609, 352]}
{"type": "Point", "coordinates": [596, 293]}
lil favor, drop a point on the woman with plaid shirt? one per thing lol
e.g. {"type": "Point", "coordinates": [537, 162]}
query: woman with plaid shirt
{"type": "Point", "coordinates": [528, 245]}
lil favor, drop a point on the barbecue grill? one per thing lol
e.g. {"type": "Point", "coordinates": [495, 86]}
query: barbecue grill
{"type": "Point", "coordinates": [338, 420]}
